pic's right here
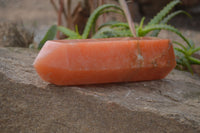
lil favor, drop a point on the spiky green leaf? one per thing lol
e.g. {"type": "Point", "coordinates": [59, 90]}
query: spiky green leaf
{"type": "Point", "coordinates": [187, 64]}
{"type": "Point", "coordinates": [181, 45]}
{"type": "Point", "coordinates": [180, 50]}
{"type": "Point", "coordinates": [50, 35]}
{"type": "Point", "coordinates": [113, 24]}
{"type": "Point", "coordinates": [102, 12]}
{"type": "Point", "coordinates": [109, 23]}
{"type": "Point", "coordinates": [108, 32]}
{"type": "Point", "coordinates": [194, 60]}
{"type": "Point", "coordinates": [166, 20]}
{"type": "Point", "coordinates": [140, 28]}
{"type": "Point", "coordinates": [101, 33]}
{"type": "Point", "coordinates": [163, 12]}
{"type": "Point", "coordinates": [94, 16]}
{"type": "Point", "coordinates": [195, 50]}
{"type": "Point", "coordinates": [150, 28]}
{"type": "Point", "coordinates": [71, 34]}
{"type": "Point", "coordinates": [124, 25]}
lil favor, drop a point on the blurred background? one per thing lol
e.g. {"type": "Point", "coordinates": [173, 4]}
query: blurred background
{"type": "Point", "coordinates": [36, 16]}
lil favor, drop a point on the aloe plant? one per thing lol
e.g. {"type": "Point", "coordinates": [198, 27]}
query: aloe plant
{"type": "Point", "coordinates": [159, 22]}
{"type": "Point", "coordinates": [91, 21]}
{"type": "Point", "coordinates": [121, 29]}
{"type": "Point", "coordinates": [89, 25]}
{"type": "Point", "coordinates": [184, 55]}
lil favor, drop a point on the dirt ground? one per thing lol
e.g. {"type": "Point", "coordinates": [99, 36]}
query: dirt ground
{"type": "Point", "coordinates": [39, 15]}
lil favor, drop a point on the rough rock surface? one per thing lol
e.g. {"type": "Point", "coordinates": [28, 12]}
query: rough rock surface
{"type": "Point", "coordinates": [29, 105]}
{"type": "Point", "coordinates": [13, 34]}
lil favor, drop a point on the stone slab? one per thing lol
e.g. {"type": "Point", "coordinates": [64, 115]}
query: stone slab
{"type": "Point", "coordinates": [27, 104]}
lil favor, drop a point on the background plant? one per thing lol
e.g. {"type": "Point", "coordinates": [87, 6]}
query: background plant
{"type": "Point", "coordinates": [90, 25]}
{"type": "Point", "coordinates": [159, 22]}
{"type": "Point", "coordinates": [183, 53]}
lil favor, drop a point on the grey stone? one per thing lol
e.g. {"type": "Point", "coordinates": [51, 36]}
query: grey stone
{"type": "Point", "coordinates": [14, 34]}
{"type": "Point", "coordinates": [30, 105]}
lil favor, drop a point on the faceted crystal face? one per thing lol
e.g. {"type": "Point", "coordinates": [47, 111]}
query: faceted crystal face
{"type": "Point", "coordinates": [92, 61]}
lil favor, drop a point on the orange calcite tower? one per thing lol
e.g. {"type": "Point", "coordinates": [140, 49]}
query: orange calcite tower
{"type": "Point", "coordinates": [93, 61]}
